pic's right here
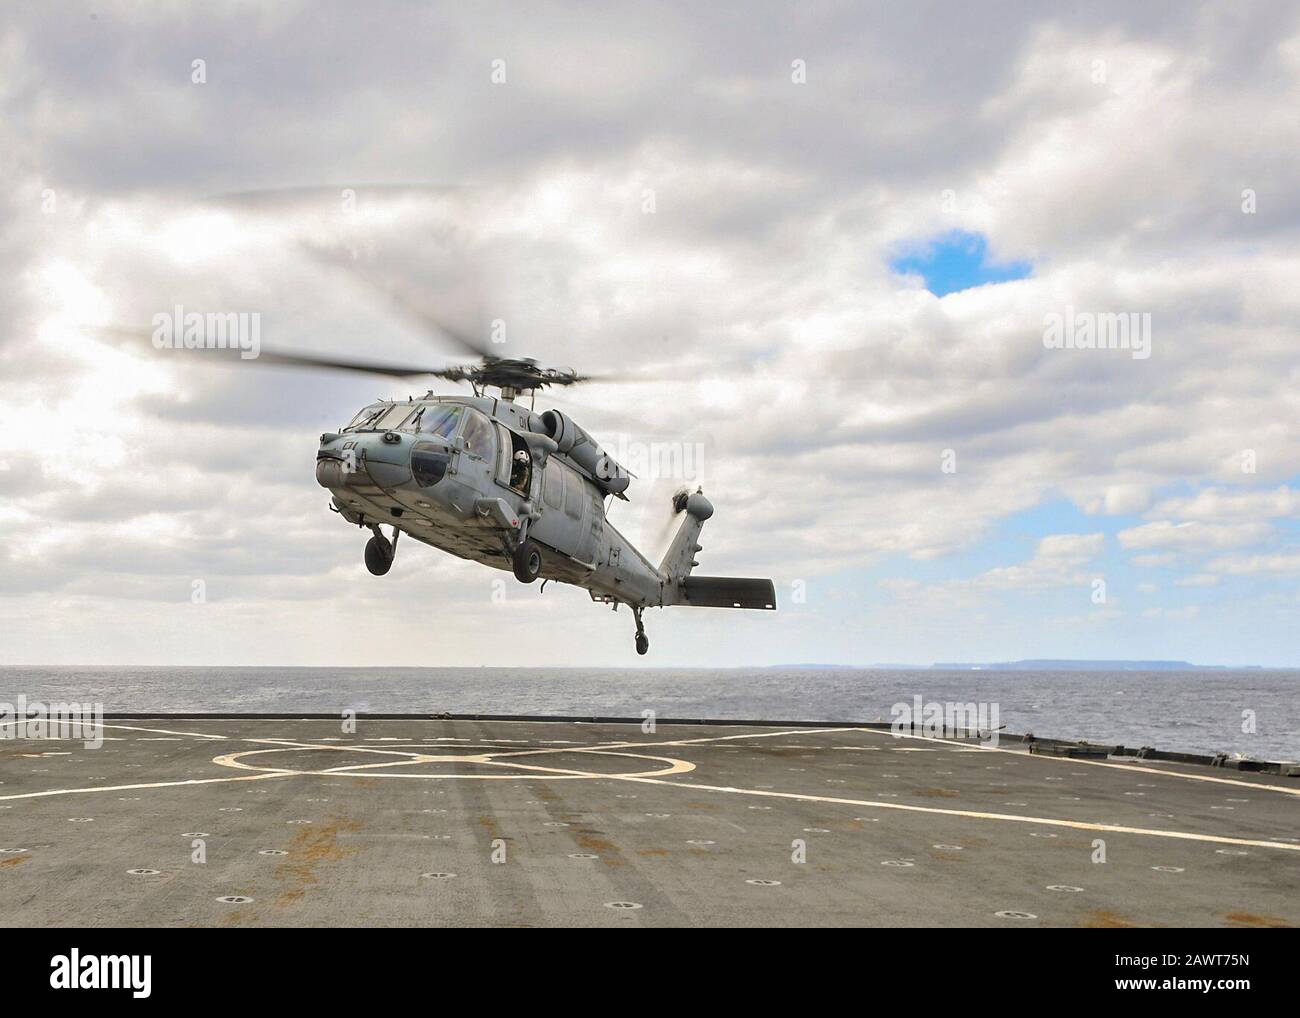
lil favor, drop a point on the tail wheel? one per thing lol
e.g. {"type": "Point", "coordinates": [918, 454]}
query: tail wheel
{"type": "Point", "coordinates": [379, 555]}
{"type": "Point", "coordinates": [642, 641]}
{"type": "Point", "coordinates": [527, 562]}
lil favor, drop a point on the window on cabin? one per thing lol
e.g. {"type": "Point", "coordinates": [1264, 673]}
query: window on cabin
{"type": "Point", "coordinates": [573, 486]}
{"type": "Point", "coordinates": [553, 486]}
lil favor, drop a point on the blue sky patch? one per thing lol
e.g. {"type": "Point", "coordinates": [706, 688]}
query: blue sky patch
{"type": "Point", "coordinates": [955, 261]}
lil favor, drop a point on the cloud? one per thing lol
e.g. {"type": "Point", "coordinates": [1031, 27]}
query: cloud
{"type": "Point", "coordinates": [1282, 563]}
{"type": "Point", "coordinates": [1198, 580]}
{"type": "Point", "coordinates": [1222, 505]}
{"type": "Point", "coordinates": [1056, 563]}
{"type": "Point", "coordinates": [645, 189]}
{"type": "Point", "coordinates": [1192, 536]}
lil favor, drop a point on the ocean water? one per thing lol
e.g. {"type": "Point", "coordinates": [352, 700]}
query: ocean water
{"type": "Point", "coordinates": [1193, 711]}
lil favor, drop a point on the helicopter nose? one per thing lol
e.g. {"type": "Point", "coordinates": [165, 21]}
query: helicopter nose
{"type": "Point", "coordinates": [382, 459]}
{"type": "Point", "coordinates": [335, 465]}
{"type": "Point", "coordinates": [331, 473]}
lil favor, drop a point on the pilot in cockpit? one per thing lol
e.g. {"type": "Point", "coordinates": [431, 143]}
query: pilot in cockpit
{"type": "Point", "coordinates": [519, 470]}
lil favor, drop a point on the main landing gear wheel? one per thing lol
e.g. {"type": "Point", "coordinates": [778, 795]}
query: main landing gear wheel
{"type": "Point", "coordinates": [642, 641]}
{"type": "Point", "coordinates": [527, 562]}
{"type": "Point", "coordinates": [379, 555]}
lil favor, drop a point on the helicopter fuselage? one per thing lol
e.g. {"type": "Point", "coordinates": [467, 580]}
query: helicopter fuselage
{"type": "Point", "coordinates": [477, 475]}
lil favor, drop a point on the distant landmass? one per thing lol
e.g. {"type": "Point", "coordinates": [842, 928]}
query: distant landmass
{"type": "Point", "coordinates": [1077, 665]}
{"type": "Point", "coordinates": [1034, 665]}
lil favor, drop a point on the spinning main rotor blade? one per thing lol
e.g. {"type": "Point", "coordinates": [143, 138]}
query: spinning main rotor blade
{"type": "Point", "coordinates": [306, 360]}
{"type": "Point", "coordinates": [233, 355]}
{"type": "Point", "coordinates": [397, 295]}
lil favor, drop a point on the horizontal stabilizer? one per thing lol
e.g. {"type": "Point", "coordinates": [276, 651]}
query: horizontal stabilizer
{"type": "Point", "coordinates": [728, 592]}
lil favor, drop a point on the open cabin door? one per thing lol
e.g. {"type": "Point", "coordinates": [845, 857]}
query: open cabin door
{"type": "Point", "coordinates": [515, 467]}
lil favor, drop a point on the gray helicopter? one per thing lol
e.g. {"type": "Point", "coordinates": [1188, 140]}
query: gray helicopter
{"type": "Point", "coordinates": [486, 479]}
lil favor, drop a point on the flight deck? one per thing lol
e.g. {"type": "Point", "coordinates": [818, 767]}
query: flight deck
{"type": "Point", "coordinates": [221, 821]}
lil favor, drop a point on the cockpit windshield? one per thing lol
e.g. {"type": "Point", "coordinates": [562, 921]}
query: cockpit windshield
{"type": "Point", "coordinates": [436, 419]}
{"type": "Point", "coordinates": [367, 415]}
{"type": "Point", "coordinates": [379, 417]}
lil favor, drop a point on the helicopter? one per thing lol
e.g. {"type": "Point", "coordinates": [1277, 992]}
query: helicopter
{"type": "Point", "coordinates": [486, 479]}
{"type": "Point", "coordinates": [483, 478]}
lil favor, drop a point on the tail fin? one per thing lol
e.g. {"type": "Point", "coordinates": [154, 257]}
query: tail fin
{"type": "Point", "coordinates": [706, 591]}
{"type": "Point", "coordinates": [679, 560]}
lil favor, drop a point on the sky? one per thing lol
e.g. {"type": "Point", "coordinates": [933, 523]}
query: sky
{"type": "Point", "coordinates": [839, 235]}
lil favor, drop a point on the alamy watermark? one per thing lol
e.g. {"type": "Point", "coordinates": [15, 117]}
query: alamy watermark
{"type": "Point", "coordinates": [675, 460]}
{"type": "Point", "coordinates": [179, 329]}
{"type": "Point", "coordinates": [937, 719]}
{"type": "Point", "coordinates": [34, 719]}
{"type": "Point", "coordinates": [77, 971]}
{"type": "Point", "coordinates": [1099, 330]}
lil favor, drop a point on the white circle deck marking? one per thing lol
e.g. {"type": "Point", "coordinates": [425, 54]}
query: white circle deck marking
{"type": "Point", "coordinates": [494, 757]}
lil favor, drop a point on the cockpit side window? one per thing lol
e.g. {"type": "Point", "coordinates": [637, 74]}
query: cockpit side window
{"type": "Point", "coordinates": [479, 440]}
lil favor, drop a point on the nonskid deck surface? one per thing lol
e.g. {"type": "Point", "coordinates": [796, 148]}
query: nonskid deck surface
{"type": "Point", "coordinates": [192, 821]}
